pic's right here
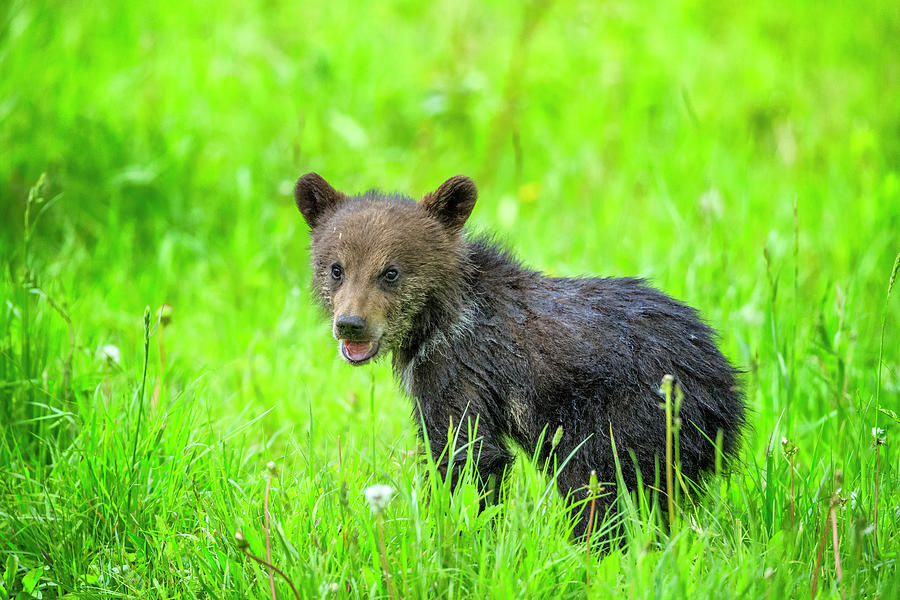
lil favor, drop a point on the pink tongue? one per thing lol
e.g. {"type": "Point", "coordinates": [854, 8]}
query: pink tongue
{"type": "Point", "coordinates": [357, 350]}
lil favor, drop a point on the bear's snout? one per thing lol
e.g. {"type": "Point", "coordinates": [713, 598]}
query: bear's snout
{"type": "Point", "coordinates": [349, 327]}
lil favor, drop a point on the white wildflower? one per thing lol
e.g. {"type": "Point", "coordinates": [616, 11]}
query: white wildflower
{"type": "Point", "coordinates": [328, 588]}
{"type": "Point", "coordinates": [378, 497]}
{"type": "Point", "coordinates": [111, 354]}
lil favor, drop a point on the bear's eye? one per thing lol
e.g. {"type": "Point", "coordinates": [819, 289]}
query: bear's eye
{"type": "Point", "coordinates": [391, 275]}
{"type": "Point", "coordinates": [337, 272]}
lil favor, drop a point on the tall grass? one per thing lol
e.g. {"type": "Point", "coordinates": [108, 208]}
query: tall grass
{"type": "Point", "coordinates": [760, 138]}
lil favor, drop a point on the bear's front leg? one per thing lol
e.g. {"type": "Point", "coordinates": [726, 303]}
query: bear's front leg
{"type": "Point", "coordinates": [452, 437]}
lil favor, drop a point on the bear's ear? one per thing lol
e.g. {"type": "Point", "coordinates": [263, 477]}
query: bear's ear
{"type": "Point", "coordinates": [452, 202]}
{"type": "Point", "coordinates": [316, 198]}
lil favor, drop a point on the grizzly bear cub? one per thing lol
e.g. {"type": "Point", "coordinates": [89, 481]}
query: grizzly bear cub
{"type": "Point", "coordinates": [475, 336]}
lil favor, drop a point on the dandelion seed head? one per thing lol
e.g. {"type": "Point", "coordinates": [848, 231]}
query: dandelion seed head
{"type": "Point", "coordinates": [111, 354]}
{"type": "Point", "coordinates": [378, 496]}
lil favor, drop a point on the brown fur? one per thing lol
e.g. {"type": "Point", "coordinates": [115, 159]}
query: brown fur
{"type": "Point", "coordinates": [372, 234]}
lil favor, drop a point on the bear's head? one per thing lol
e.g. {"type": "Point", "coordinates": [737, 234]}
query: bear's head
{"type": "Point", "coordinates": [379, 259]}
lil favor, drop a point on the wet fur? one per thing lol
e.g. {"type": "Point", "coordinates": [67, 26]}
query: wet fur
{"type": "Point", "coordinates": [474, 334]}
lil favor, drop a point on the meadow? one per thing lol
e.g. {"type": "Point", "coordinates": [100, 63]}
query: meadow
{"type": "Point", "coordinates": [744, 157]}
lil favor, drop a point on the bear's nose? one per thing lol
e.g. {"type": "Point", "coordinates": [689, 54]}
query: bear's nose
{"type": "Point", "coordinates": [349, 326]}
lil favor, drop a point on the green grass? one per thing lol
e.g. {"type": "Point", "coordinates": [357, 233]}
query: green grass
{"type": "Point", "coordinates": [662, 139]}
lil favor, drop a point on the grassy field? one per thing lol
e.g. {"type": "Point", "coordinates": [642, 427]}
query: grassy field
{"type": "Point", "coordinates": [743, 156]}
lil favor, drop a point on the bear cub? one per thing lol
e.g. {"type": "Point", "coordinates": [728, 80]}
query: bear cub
{"type": "Point", "coordinates": [476, 336]}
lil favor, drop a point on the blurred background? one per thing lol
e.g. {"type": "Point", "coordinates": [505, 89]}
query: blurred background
{"type": "Point", "coordinates": [743, 156]}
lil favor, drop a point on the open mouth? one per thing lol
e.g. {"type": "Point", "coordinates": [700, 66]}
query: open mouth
{"type": "Point", "coordinates": [358, 352]}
